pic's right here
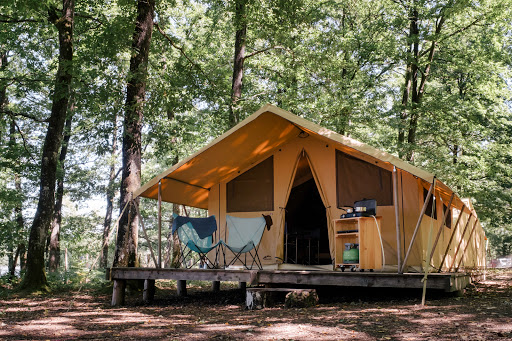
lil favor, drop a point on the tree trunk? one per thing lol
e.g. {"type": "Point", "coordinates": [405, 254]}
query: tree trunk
{"type": "Point", "coordinates": [410, 82]}
{"type": "Point", "coordinates": [35, 276]}
{"type": "Point", "coordinates": [127, 236]}
{"type": "Point", "coordinates": [3, 89]}
{"type": "Point", "coordinates": [238, 62]}
{"type": "Point", "coordinates": [54, 258]}
{"type": "Point", "coordinates": [176, 251]}
{"type": "Point", "coordinates": [111, 191]}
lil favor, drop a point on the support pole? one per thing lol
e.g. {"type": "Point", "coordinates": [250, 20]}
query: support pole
{"type": "Point", "coordinates": [460, 242]}
{"type": "Point", "coordinates": [181, 287]}
{"type": "Point", "coordinates": [145, 233]}
{"type": "Point", "coordinates": [467, 244]}
{"type": "Point", "coordinates": [427, 199]}
{"type": "Point", "coordinates": [441, 228]}
{"type": "Point", "coordinates": [451, 237]}
{"type": "Point", "coordinates": [159, 265]}
{"type": "Point", "coordinates": [215, 286]}
{"type": "Point", "coordinates": [118, 292]}
{"type": "Point", "coordinates": [148, 294]}
{"type": "Point", "coordinates": [397, 220]}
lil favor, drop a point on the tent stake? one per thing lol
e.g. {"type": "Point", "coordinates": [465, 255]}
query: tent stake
{"type": "Point", "coordinates": [441, 228]}
{"type": "Point", "coordinates": [467, 244]}
{"type": "Point", "coordinates": [451, 237]}
{"type": "Point", "coordinates": [397, 219]}
{"type": "Point", "coordinates": [460, 242]}
{"type": "Point", "coordinates": [425, 204]}
{"type": "Point", "coordinates": [145, 234]}
{"type": "Point", "coordinates": [159, 224]}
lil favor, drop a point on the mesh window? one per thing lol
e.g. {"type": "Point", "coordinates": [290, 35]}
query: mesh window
{"type": "Point", "coordinates": [252, 191]}
{"type": "Point", "coordinates": [357, 179]}
{"type": "Point", "coordinates": [431, 204]}
{"type": "Point", "coordinates": [448, 221]}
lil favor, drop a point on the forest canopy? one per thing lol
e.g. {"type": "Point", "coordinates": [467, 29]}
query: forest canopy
{"type": "Point", "coordinates": [85, 82]}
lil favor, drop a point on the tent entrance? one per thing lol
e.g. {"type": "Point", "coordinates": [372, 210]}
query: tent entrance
{"type": "Point", "coordinates": [306, 236]}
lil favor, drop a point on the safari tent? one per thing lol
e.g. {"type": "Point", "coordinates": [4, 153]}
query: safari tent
{"type": "Point", "coordinates": [305, 176]}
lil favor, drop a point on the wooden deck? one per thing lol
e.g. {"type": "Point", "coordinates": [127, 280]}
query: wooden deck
{"type": "Point", "coordinates": [440, 281]}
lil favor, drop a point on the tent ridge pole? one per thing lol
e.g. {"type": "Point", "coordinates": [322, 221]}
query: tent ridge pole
{"type": "Point", "coordinates": [451, 237]}
{"type": "Point", "coordinates": [420, 219]}
{"type": "Point", "coordinates": [397, 219]}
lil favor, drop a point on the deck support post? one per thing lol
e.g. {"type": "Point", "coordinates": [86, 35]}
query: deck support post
{"type": "Point", "coordinates": [423, 210]}
{"type": "Point", "coordinates": [148, 295]}
{"type": "Point", "coordinates": [397, 219]}
{"type": "Point", "coordinates": [242, 285]}
{"type": "Point", "coordinates": [215, 286]}
{"type": "Point", "coordinates": [118, 293]}
{"type": "Point", "coordinates": [460, 242]}
{"type": "Point", "coordinates": [182, 287]}
{"type": "Point", "coordinates": [451, 238]}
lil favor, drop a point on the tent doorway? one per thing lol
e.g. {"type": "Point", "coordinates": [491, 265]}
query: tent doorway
{"type": "Point", "coordinates": [306, 237]}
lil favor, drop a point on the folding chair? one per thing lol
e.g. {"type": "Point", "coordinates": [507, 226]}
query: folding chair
{"type": "Point", "coordinates": [243, 239]}
{"type": "Point", "coordinates": [196, 235]}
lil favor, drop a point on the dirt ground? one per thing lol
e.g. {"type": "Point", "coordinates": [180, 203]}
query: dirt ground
{"type": "Point", "coordinates": [484, 312]}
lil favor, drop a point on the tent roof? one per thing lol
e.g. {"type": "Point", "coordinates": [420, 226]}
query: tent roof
{"type": "Point", "coordinates": [251, 141]}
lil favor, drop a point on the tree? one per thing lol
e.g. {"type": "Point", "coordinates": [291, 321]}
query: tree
{"type": "Point", "coordinates": [127, 236]}
{"type": "Point", "coordinates": [35, 276]}
{"type": "Point", "coordinates": [54, 242]}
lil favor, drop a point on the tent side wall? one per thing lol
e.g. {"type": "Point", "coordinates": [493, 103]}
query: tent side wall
{"type": "Point", "coordinates": [322, 156]}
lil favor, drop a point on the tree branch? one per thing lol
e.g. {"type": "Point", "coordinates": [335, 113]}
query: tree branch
{"type": "Point", "coordinates": [24, 141]}
{"type": "Point", "coordinates": [278, 47]}
{"type": "Point", "coordinates": [182, 51]}
{"type": "Point", "coordinates": [11, 20]}
{"type": "Point", "coordinates": [32, 117]}
{"type": "Point", "coordinates": [86, 16]}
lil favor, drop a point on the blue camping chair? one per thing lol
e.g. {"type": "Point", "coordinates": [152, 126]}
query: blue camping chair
{"type": "Point", "coordinates": [196, 235]}
{"type": "Point", "coordinates": [244, 239]}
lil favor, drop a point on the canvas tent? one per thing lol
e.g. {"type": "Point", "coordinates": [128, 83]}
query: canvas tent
{"type": "Point", "coordinates": [303, 176]}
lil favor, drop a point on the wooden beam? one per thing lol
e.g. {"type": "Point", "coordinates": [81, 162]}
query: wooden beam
{"type": "Point", "coordinates": [451, 237]}
{"type": "Point", "coordinates": [335, 278]}
{"type": "Point", "coordinates": [441, 228]}
{"type": "Point", "coordinates": [159, 265]}
{"type": "Point", "coordinates": [460, 242]}
{"type": "Point", "coordinates": [425, 204]}
{"type": "Point", "coordinates": [467, 244]}
{"type": "Point", "coordinates": [397, 219]}
{"type": "Point", "coordinates": [145, 233]}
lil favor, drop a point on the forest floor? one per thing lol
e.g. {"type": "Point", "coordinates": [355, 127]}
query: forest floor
{"type": "Point", "coordinates": [484, 312]}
